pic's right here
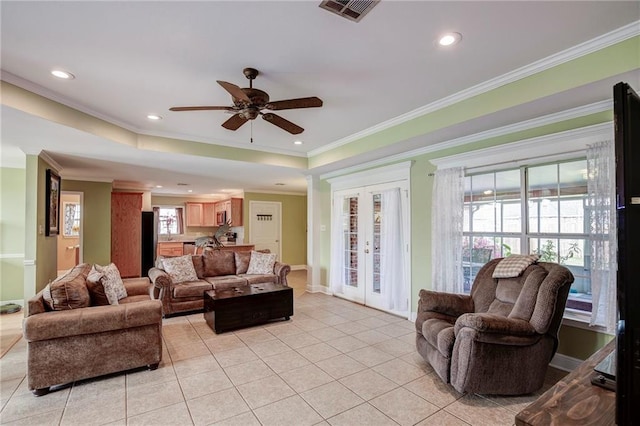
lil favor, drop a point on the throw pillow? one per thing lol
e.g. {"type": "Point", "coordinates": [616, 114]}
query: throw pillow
{"type": "Point", "coordinates": [69, 291]}
{"type": "Point", "coordinates": [180, 268]}
{"type": "Point", "coordinates": [514, 265]}
{"type": "Point", "coordinates": [261, 263]}
{"type": "Point", "coordinates": [218, 263]}
{"type": "Point", "coordinates": [242, 261]}
{"type": "Point", "coordinates": [96, 289]}
{"type": "Point", "coordinates": [112, 282]}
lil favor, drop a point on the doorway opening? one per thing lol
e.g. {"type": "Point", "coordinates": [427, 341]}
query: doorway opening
{"type": "Point", "coordinates": [265, 226]}
{"type": "Point", "coordinates": [70, 236]}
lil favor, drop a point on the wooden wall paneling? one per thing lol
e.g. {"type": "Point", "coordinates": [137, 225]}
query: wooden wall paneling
{"type": "Point", "coordinates": [126, 232]}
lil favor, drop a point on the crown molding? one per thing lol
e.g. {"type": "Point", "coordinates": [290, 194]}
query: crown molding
{"type": "Point", "coordinates": [555, 144]}
{"type": "Point", "coordinates": [53, 163]}
{"type": "Point", "coordinates": [477, 137]}
{"type": "Point", "coordinates": [56, 97]}
{"type": "Point", "coordinates": [582, 49]}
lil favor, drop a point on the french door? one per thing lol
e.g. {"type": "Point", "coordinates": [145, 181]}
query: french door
{"type": "Point", "coordinates": [370, 245]}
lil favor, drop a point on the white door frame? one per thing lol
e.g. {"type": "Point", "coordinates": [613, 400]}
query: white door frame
{"type": "Point", "coordinates": [400, 172]}
{"type": "Point", "coordinates": [251, 231]}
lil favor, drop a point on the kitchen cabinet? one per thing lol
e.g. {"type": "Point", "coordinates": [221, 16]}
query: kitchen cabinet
{"type": "Point", "coordinates": [170, 248]}
{"type": "Point", "coordinates": [208, 214]}
{"type": "Point", "coordinates": [235, 211]}
{"type": "Point", "coordinates": [194, 214]}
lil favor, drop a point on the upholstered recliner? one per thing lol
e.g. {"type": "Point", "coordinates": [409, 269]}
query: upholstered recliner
{"type": "Point", "coordinates": [500, 338]}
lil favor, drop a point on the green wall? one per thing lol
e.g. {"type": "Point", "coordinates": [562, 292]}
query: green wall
{"type": "Point", "coordinates": [12, 228]}
{"type": "Point", "coordinates": [46, 247]}
{"type": "Point", "coordinates": [294, 224]}
{"type": "Point", "coordinates": [96, 226]}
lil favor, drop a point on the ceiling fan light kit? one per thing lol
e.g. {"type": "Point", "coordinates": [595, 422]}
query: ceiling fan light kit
{"type": "Point", "coordinates": [248, 104]}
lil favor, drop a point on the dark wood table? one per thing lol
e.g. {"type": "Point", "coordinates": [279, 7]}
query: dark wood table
{"type": "Point", "coordinates": [245, 306]}
{"type": "Point", "coordinates": [574, 400]}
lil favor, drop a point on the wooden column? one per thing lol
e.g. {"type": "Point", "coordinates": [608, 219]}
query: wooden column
{"type": "Point", "coordinates": [126, 232]}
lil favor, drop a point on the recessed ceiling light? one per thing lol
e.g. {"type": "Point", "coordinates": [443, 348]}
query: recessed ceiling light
{"type": "Point", "coordinates": [297, 143]}
{"type": "Point", "coordinates": [154, 117]}
{"type": "Point", "coordinates": [449, 39]}
{"type": "Point", "coordinates": [158, 186]}
{"type": "Point", "coordinates": [63, 74]}
{"type": "Point", "coordinates": [189, 190]}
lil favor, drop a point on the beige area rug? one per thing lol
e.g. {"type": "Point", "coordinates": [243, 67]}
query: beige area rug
{"type": "Point", "coordinates": [10, 331]}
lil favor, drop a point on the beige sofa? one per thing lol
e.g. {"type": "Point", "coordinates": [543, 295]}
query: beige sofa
{"type": "Point", "coordinates": [67, 345]}
{"type": "Point", "coordinates": [215, 269]}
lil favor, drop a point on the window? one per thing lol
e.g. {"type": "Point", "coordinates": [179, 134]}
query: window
{"type": "Point", "coordinates": [170, 220]}
{"type": "Point", "coordinates": [71, 219]}
{"type": "Point", "coordinates": [533, 209]}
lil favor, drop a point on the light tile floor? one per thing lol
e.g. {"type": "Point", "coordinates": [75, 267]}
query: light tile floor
{"type": "Point", "coordinates": [334, 362]}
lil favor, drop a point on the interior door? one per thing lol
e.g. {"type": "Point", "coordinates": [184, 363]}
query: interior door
{"type": "Point", "coordinates": [265, 226]}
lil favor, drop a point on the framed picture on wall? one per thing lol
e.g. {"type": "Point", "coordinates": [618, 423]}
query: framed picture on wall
{"type": "Point", "coordinates": [52, 211]}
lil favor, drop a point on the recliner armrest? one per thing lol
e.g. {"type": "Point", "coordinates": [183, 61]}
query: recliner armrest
{"type": "Point", "coordinates": [444, 303]}
{"type": "Point", "coordinates": [492, 323]}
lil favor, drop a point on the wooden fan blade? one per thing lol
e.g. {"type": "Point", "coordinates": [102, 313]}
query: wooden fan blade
{"type": "Point", "coordinates": [234, 90]}
{"type": "Point", "coordinates": [202, 108]}
{"type": "Point", "coordinates": [312, 102]}
{"type": "Point", "coordinates": [234, 122]}
{"type": "Point", "coordinates": [282, 123]}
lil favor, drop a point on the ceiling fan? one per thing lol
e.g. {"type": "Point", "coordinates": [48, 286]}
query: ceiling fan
{"type": "Point", "coordinates": [248, 104]}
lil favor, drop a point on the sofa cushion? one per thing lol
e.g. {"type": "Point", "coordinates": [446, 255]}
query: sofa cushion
{"type": "Point", "coordinates": [260, 278]}
{"type": "Point", "coordinates": [96, 289]}
{"type": "Point", "coordinates": [242, 261]}
{"type": "Point", "coordinates": [191, 288]}
{"type": "Point", "coordinates": [180, 269]}
{"type": "Point", "coordinates": [198, 265]}
{"type": "Point", "coordinates": [112, 283]}
{"type": "Point", "coordinates": [226, 281]}
{"type": "Point", "coordinates": [69, 291]}
{"type": "Point", "coordinates": [219, 262]}
{"type": "Point", "coordinates": [52, 325]}
{"type": "Point", "coordinates": [261, 263]}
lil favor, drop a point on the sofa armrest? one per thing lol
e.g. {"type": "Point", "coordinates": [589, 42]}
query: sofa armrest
{"type": "Point", "coordinates": [96, 319]}
{"type": "Point", "coordinates": [449, 304]}
{"type": "Point", "coordinates": [137, 286]}
{"type": "Point", "coordinates": [281, 270]}
{"type": "Point", "coordinates": [161, 282]}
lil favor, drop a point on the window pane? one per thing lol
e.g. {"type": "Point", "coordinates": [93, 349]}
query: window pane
{"type": "Point", "coordinates": [507, 196]}
{"type": "Point", "coordinates": [466, 217]}
{"type": "Point", "coordinates": [167, 221]}
{"type": "Point", "coordinates": [543, 192]}
{"type": "Point", "coordinates": [573, 193]}
{"type": "Point", "coordinates": [483, 206]}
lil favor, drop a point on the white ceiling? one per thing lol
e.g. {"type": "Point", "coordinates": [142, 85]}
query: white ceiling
{"type": "Point", "coordinates": [135, 58]}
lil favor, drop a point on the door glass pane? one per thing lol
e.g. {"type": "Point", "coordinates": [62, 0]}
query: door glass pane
{"type": "Point", "coordinates": [377, 222]}
{"type": "Point", "coordinates": [350, 226]}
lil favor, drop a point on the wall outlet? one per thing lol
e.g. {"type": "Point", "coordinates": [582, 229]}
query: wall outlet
{"type": "Point", "coordinates": [40, 229]}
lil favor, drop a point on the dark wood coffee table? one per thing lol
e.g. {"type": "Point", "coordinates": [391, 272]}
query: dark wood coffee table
{"type": "Point", "coordinates": [244, 306]}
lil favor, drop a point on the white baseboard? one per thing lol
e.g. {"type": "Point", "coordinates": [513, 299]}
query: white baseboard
{"type": "Point", "coordinates": [298, 267]}
{"type": "Point", "coordinates": [319, 289]}
{"type": "Point", "coordinates": [564, 362]}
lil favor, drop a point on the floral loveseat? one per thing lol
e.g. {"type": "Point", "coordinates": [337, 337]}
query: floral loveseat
{"type": "Point", "coordinates": [180, 282]}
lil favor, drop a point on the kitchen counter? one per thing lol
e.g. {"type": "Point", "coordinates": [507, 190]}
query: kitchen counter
{"type": "Point", "coordinates": [187, 246]}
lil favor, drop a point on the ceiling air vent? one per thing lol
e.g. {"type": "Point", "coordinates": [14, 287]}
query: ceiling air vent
{"type": "Point", "coordinates": [353, 10]}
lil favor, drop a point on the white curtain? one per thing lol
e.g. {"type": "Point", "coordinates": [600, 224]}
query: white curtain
{"type": "Point", "coordinates": [392, 271]}
{"type": "Point", "coordinates": [446, 230]}
{"type": "Point", "coordinates": [601, 189]}
{"type": "Point", "coordinates": [337, 245]}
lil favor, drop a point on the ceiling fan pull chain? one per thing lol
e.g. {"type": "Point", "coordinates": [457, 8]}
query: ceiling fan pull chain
{"type": "Point", "coordinates": [251, 124]}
